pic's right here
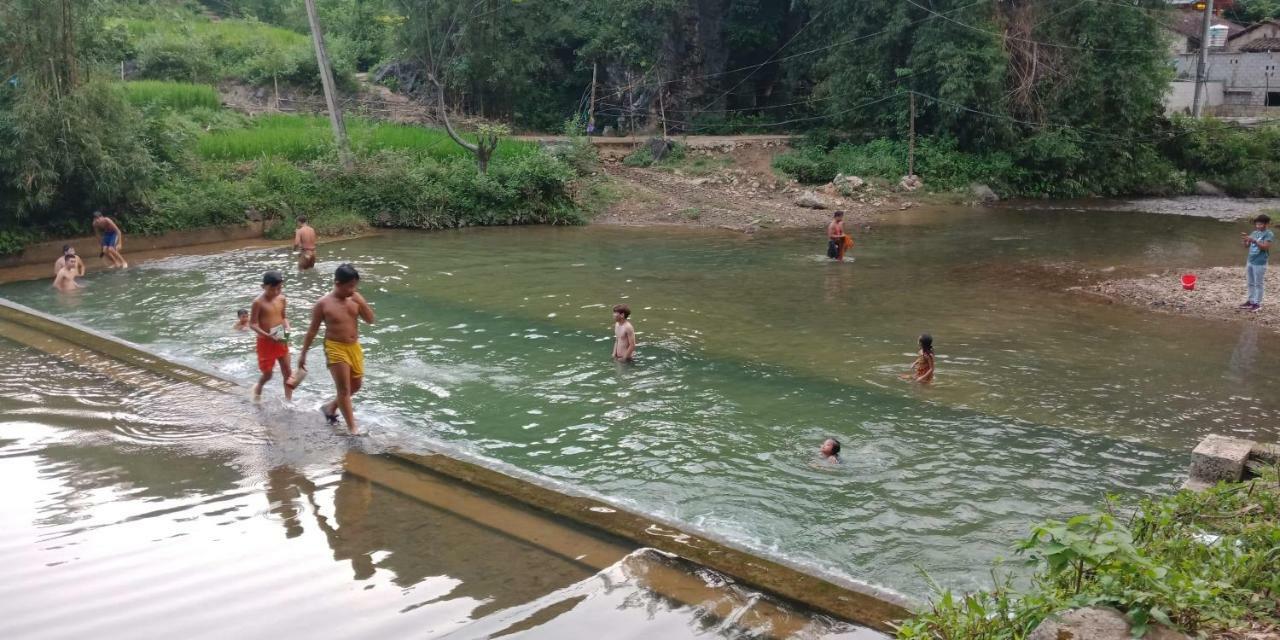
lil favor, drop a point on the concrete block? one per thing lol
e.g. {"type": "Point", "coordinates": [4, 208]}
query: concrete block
{"type": "Point", "coordinates": [1219, 458]}
{"type": "Point", "coordinates": [1097, 623]}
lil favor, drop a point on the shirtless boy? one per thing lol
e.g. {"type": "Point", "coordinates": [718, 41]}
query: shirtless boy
{"type": "Point", "coordinates": [835, 237]}
{"type": "Point", "coordinates": [268, 313]}
{"type": "Point", "coordinates": [68, 255]}
{"type": "Point", "coordinates": [304, 240]}
{"type": "Point", "coordinates": [111, 239]}
{"type": "Point", "coordinates": [624, 344]}
{"type": "Point", "coordinates": [242, 320]}
{"type": "Point", "coordinates": [340, 310]}
{"type": "Point", "coordinates": [66, 279]}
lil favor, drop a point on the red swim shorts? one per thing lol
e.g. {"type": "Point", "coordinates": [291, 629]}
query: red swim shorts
{"type": "Point", "coordinates": [269, 351]}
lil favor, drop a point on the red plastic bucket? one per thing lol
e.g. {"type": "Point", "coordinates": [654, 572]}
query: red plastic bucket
{"type": "Point", "coordinates": [1189, 281]}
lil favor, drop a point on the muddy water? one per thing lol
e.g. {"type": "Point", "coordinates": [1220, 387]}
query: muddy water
{"type": "Point", "coordinates": [136, 511]}
{"type": "Point", "coordinates": [752, 351]}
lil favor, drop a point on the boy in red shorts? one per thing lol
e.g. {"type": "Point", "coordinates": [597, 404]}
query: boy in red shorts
{"type": "Point", "coordinates": [267, 319]}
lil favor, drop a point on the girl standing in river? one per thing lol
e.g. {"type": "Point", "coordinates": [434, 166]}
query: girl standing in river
{"type": "Point", "coordinates": [922, 368]}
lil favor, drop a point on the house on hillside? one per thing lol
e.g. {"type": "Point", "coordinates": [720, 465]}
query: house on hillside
{"type": "Point", "coordinates": [1243, 72]}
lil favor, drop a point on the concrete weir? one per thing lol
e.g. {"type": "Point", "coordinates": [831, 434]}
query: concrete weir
{"type": "Point", "coordinates": [545, 515]}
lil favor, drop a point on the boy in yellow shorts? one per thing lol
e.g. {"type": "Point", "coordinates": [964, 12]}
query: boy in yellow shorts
{"type": "Point", "coordinates": [340, 310]}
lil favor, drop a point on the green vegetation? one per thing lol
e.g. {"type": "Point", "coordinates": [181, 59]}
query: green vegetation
{"type": "Point", "coordinates": [196, 49]}
{"type": "Point", "coordinates": [1201, 562]}
{"type": "Point", "coordinates": [303, 138]}
{"type": "Point", "coordinates": [179, 96]}
{"type": "Point", "coordinates": [1245, 162]}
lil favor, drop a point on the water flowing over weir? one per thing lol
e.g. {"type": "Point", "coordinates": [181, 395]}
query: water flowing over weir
{"type": "Point", "coordinates": [514, 504]}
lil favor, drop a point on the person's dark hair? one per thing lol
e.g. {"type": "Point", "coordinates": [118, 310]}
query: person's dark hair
{"type": "Point", "coordinates": [926, 343]}
{"type": "Point", "coordinates": [302, 219]}
{"type": "Point", "coordinates": [838, 214]}
{"type": "Point", "coordinates": [97, 213]}
{"type": "Point", "coordinates": [623, 309]}
{"type": "Point", "coordinates": [66, 248]}
{"type": "Point", "coordinates": [345, 273]}
{"type": "Point", "coordinates": [835, 446]}
{"type": "Point", "coordinates": [242, 312]}
{"type": "Point", "coordinates": [1264, 218]}
{"type": "Point", "coordinates": [271, 278]}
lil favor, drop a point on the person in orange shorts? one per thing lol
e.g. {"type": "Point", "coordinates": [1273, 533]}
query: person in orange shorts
{"type": "Point", "coordinates": [838, 242]}
{"type": "Point", "coordinates": [268, 319]}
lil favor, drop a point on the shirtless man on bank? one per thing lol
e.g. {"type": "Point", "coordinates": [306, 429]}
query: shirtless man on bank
{"type": "Point", "coordinates": [304, 240]}
{"type": "Point", "coordinates": [112, 237]}
{"type": "Point", "coordinates": [340, 311]}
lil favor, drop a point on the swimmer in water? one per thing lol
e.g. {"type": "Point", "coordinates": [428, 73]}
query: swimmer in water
{"type": "Point", "coordinates": [624, 344]}
{"type": "Point", "coordinates": [922, 368]}
{"type": "Point", "coordinates": [68, 255]}
{"type": "Point", "coordinates": [66, 279]}
{"type": "Point", "coordinates": [830, 450]}
{"type": "Point", "coordinates": [242, 320]}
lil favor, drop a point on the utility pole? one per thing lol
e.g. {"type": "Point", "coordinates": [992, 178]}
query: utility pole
{"type": "Point", "coordinates": [591, 114]}
{"type": "Point", "coordinates": [662, 107]}
{"type": "Point", "coordinates": [330, 97]}
{"type": "Point", "coordinates": [1197, 103]}
{"type": "Point", "coordinates": [911, 143]}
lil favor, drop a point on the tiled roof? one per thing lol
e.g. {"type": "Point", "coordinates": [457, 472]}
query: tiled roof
{"type": "Point", "coordinates": [1262, 44]}
{"type": "Point", "coordinates": [1191, 23]}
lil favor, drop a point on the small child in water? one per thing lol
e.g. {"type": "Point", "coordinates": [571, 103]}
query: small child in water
{"type": "Point", "coordinates": [242, 320]}
{"type": "Point", "coordinates": [830, 450]}
{"type": "Point", "coordinates": [922, 368]}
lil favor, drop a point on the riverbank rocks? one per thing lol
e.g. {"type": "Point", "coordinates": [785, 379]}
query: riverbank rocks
{"type": "Point", "coordinates": [1206, 188]}
{"type": "Point", "coordinates": [1218, 459]}
{"type": "Point", "coordinates": [983, 193]}
{"type": "Point", "coordinates": [910, 183]}
{"type": "Point", "coordinates": [1097, 623]}
{"type": "Point", "coordinates": [811, 200]}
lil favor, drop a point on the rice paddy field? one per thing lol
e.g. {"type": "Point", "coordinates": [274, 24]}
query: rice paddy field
{"type": "Point", "coordinates": [300, 138]}
{"type": "Point", "coordinates": [179, 96]}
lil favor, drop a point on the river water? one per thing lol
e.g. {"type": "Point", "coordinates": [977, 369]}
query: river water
{"type": "Point", "coordinates": [754, 349]}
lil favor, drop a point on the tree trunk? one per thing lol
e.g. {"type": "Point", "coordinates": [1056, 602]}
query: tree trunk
{"type": "Point", "coordinates": [330, 97]}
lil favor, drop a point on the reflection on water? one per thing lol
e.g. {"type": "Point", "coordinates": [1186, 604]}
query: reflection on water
{"type": "Point", "coordinates": [161, 531]}
{"type": "Point", "coordinates": [752, 352]}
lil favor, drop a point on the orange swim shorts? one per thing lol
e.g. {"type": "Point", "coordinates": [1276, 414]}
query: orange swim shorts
{"type": "Point", "coordinates": [269, 351]}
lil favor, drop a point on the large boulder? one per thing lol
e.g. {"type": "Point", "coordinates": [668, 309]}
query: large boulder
{"type": "Point", "coordinates": [983, 193]}
{"type": "Point", "coordinates": [1206, 188]}
{"type": "Point", "coordinates": [811, 200]}
{"type": "Point", "coordinates": [910, 183]}
{"type": "Point", "coordinates": [1097, 623]}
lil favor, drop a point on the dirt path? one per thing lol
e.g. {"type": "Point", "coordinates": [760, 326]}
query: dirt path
{"type": "Point", "coordinates": [729, 182]}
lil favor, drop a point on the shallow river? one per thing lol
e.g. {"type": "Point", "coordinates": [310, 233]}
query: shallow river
{"type": "Point", "coordinates": [752, 350]}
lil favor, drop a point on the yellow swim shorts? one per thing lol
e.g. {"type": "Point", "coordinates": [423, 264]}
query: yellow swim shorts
{"type": "Point", "coordinates": [348, 353]}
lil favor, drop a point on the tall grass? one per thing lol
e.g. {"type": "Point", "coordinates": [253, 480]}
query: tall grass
{"type": "Point", "coordinates": [304, 138]}
{"type": "Point", "coordinates": [180, 96]}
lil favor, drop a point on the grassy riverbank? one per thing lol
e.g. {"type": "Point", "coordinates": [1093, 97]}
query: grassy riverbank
{"type": "Point", "coordinates": [191, 164]}
{"type": "Point", "coordinates": [1202, 562]}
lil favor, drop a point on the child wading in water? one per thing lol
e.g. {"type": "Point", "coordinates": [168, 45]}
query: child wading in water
{"type": "Point", "coordinates": [267, 319]}
{"type": "Point", "coordinates": [922, 368]}
{"type": "Point", "coordinates": [624, 343]}
{"type": "Point", "coordinates": [242, 320]}
{"type": "Point", "coordinates": [340, 311]}
{"type": "Point", "coordinates": [837, 240]}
